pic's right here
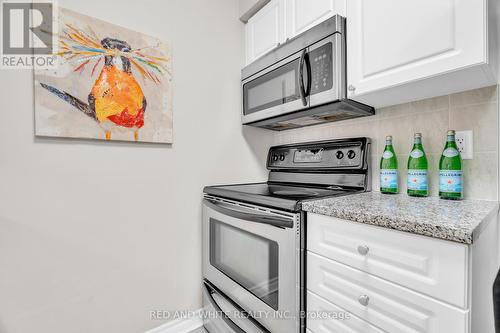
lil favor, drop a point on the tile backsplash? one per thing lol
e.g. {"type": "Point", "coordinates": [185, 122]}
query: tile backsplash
{"type": "Point", "coordinates": [475, 110]}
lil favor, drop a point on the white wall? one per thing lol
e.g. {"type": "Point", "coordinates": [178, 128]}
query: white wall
{"type": "Point", "coordinates": [94, 235]}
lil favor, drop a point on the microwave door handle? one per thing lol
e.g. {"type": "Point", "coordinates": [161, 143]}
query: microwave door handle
{"type": "Point", "coordinates": [307, 62]}
{"type": "Point", "coordinates": [258, 218]}
{"type": "Point", "coordinates": [304, 92]}
{"type": "Point", "coordinates": [301, 78]}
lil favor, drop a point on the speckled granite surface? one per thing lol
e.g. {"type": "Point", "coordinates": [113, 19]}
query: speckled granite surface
{"type": "Point", "coordinates": [459, 221]}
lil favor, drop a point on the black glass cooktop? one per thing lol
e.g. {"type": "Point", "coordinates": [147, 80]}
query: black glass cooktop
{"type": "Point", "coordinates": [278, 196]}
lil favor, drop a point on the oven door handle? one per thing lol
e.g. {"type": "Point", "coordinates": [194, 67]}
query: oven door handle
{"type": "Point", "coordinates": [207, 291]}
{"type": "Point", "coordinates": [243, 215]}
{"type": "Point", "coordinates": [251, 326]}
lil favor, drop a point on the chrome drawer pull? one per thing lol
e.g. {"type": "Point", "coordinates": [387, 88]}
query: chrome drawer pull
{"type": "Point", "coordinates": [363, 249]}
{"type": "Point", "coordinates": [364, 300]}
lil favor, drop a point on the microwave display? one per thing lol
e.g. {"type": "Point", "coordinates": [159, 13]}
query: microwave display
{"type": "Point", "coordinates": [321, 69]}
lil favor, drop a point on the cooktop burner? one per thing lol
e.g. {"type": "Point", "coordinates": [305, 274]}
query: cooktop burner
{"type": "Point", "coordinates": [295, 193]}
{"type": "Point", "coordinates": [281, 196]}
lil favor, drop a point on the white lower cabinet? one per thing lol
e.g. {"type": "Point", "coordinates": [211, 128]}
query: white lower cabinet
{"type": "Point", "coordinates": [337, 321]}
{"type": "Point", "coordinates": [381, 303]}
{"type": "Point", "coordinates": [427, 265]}
{"type": "Point", "coordinates": [398, 282]}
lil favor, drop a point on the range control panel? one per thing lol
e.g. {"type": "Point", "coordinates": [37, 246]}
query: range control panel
{"type": "Point", "coordinates": [322, 155]}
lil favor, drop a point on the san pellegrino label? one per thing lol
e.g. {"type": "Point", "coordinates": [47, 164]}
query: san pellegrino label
{"type": "Point", "coordinates": [416, 153]}
{"type": "Point", "coordinates": [417, 176]}
{"type": "Point", "coordinates": [389, 169]}
{"type": "Point", "coordinates": [450, 170]}
{"type": "Point", "coordinates": [387, 154]}
{"type": "Point", "coordinates": [389, 179]}
{"type": "Point", "coordinates": [417, 180]}
{"type": "Point", "coordinates": [450, 152]}
{"type": "Point", "coordinates": [450, 181]}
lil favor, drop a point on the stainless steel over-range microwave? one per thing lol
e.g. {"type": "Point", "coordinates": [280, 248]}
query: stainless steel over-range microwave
{"type": "Point", "coordinates": [301, 82]}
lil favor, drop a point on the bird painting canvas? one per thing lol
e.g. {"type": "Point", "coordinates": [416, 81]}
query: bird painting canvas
{"type": "Point", "coordinates": [110, 83]}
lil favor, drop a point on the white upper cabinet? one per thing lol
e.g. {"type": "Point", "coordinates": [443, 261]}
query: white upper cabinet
{"type": "Point", "coordinates": [407, 50]}
{"type": "Point", "coordinates": [265, 30]}
{"type": "Point", "coordinates": [397, 51]}
{"type": "Point", "coordinates": [304, 14]}
{"type": "Point", "coordinates": [283, 19]}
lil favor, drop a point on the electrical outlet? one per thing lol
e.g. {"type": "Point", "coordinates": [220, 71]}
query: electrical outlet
{"type": "Point", "coordinates": [464, 144]}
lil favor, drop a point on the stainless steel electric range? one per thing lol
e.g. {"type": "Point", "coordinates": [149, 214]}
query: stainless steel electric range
{"type": "Point", "coordinates": [254, 235]}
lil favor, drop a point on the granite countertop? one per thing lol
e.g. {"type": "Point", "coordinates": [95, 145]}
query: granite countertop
{"type": "Point", "coordinates": [459, 221]}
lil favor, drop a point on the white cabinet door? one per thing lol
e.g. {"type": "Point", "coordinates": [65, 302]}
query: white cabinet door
{"type": "Point", "coordinates": [434, 267]}
{"type": "Point", "coordinates": [392, 43]}
{"type": "Point", "coordinates": [265, 30]}
{"type": "Point", "coordinates": [390, 307]}
{"type": "Point", "coordinates": [329, 318]}
{"type": "Point", "coordinates": [304, 14]}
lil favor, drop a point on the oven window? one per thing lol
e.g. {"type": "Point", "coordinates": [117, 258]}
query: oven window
{"type": "Point", "coordinates": [249, 260]}
{"type": "Point", "coordinates": [279, 86]}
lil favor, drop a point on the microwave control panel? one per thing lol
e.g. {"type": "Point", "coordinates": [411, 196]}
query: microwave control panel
{"type": "Point", "coordinates": [349, 156]}
{"type": "Point", "coordinates": [321, 60]}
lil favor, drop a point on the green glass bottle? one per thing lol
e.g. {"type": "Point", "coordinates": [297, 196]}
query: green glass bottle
{"type": "Point", "coordinates": [389, 168]}
{"type": "Point", "coordinates": [450, 170]}
{"type": "Point", "coordinates": [418, 185]}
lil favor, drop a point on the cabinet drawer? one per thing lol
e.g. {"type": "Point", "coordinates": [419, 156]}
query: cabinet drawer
{"type": "Point", "coordinates": [350, 323]}
{"type": "Point", "coordinates": [431, 266]}
{"type": "Point", "coordinates": [388, 306]}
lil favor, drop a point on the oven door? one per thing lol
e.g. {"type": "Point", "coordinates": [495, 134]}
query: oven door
{"type": "Point", "coordinates": [252, 255]}
{"type": "Point", "coordinates": [277, 90]}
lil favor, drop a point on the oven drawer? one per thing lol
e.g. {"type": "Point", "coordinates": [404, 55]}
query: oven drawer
{"type": "Point", "coordinates": [222, 316]}
{"type": "Point", "coordinates": [390, 307]}
{"type": "Point", "coordinates": [434, 267]}
{"type": "Point", "coordinates": [350, 323]}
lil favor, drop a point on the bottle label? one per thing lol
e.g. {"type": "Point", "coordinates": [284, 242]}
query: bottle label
{"type": "Point", "coordinates": [389, 178]}
{"type": "Point", "coordinates": [450, 181]}
{"type": "Point", "coordinates": [387, 154]}
{"type": "Point", "coordinates": [417, 180]}
{"type": "Point", "coordinates": [450, 152]}
{"type": "Point", "coordinates": [416, 153]}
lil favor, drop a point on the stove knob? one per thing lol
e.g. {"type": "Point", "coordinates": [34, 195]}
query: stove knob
{"type": "Point", "coordinates": [339, 154]}
{"type": "Point", "coordinates": [282, 157]}
{"type": "Point", "coordinates": [351, 154]}
{"type": "Point", "coordinates": [275, 158]}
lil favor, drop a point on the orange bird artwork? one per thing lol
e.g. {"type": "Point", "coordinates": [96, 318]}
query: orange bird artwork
{"type": "Point", "coordinates": [116, 99]}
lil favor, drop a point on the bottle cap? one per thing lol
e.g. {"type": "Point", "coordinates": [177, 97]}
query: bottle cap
{"type": "Point", "coordinates": [451, 132]}
{"type": "Point", "coordinates": [389, 137]}
{"type": "Point", "coordinates": [418, 135]}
